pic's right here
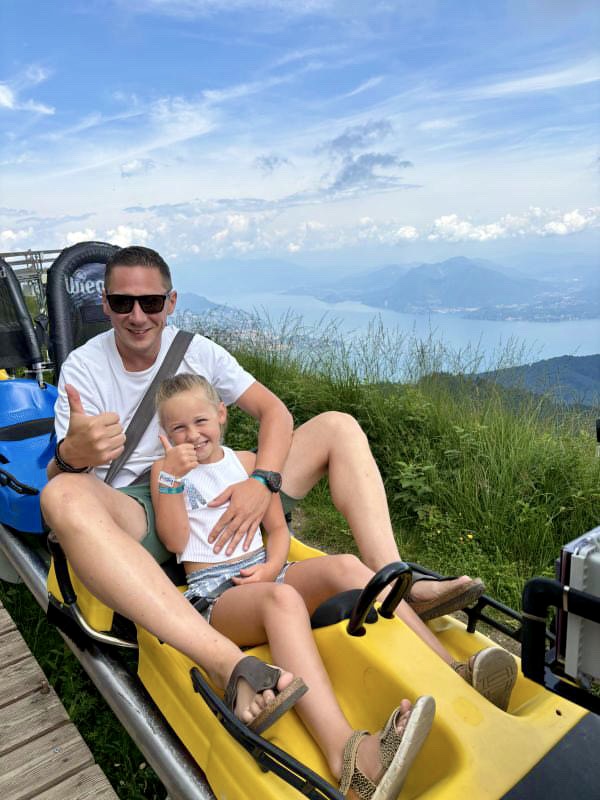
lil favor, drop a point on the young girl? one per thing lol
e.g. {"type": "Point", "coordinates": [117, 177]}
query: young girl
{"type": "Point", "coordinates": [252, 598]}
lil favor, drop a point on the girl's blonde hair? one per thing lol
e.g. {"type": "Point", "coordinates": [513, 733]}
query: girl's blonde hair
{"type": "Point", "coordinates": [185, 382]}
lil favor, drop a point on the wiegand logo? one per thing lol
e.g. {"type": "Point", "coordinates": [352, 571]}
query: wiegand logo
{"type": "Point", "coordinates": [86, 283]}
{"type": "Point", "coordinates": [81, 286]}
{"type": "Point", "coordinates": [84, 287]}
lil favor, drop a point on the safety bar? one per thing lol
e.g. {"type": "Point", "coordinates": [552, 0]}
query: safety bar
{"type": "Point", "coordinates": [397, 571]}
{"type": "Point", "coordinates": [539, 594]}
{"type": "Point", "coordinates": [69, 605]}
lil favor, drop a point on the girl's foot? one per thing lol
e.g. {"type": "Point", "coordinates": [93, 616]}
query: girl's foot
{"type": "Point", "coordinates": [492, 672]}
{"type": "Point", "coordinates": [258, 694]}
{"type": "Point", "coordinates": [375, 766]}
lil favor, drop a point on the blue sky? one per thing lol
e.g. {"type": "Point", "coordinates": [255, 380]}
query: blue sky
{"type": "Point", "coordinates": [318, 131]}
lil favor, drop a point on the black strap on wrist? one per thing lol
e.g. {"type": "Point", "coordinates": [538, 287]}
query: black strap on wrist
{"type": "Point", "coordinates": [62, 465]}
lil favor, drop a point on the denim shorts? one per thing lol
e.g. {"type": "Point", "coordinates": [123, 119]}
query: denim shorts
{"type": "Point", "coordinates": [204, 583]}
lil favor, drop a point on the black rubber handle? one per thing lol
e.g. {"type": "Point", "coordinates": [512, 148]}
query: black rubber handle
{"type": "Point", "coordinates": [397, 571]}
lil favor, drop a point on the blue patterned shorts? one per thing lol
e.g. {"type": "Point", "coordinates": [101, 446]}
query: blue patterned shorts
{"type": "Point", "coordinates": [203, 584]}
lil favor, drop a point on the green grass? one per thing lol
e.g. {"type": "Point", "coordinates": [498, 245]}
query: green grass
{"type": "Point", "coordinates": [479, 479]}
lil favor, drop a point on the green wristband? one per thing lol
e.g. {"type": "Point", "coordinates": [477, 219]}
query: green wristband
{"type": "Point", "coordinates": [260, 479]}
{"type": "Point", "coordinates": [171, 489]}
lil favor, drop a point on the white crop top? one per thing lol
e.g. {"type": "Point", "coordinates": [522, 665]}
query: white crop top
{"type": "Point", "coordinates": [202, 484]}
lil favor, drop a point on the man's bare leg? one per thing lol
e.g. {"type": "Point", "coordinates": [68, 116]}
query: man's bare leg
{"type": "Point", "coordinates": [99, 529]}
{"type": "Point", "coordinates": [317, 579]}
{"type": "Point", "coordinates": [333, 443]}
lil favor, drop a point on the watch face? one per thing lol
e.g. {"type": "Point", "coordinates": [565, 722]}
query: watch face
{"type": "Point", "coordinates": [274, 479]}
{"type": "Point", "coordinates": [271, 479]}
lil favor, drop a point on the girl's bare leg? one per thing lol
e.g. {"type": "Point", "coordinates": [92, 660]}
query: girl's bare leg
{"type": "Point", "coordinates": [259, 612]}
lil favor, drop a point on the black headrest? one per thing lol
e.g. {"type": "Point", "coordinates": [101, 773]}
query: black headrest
{"type": "Point", "coordinates": [75, 283]}
{"type": "Point", "coordinates": [19, 346]}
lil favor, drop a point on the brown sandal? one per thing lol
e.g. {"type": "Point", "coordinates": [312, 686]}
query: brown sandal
{"type": "Point", "coordinates": [261, 677]}
{"type": "Point", "coordinates": [492, 672]}
{"type": "Point", "coordinates": [397, 751]}
{"type": "Point", "coordinates": [454, 599]}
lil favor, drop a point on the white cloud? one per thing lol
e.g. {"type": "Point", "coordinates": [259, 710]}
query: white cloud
{"type": "Point", "coordinates": [73, 237]}
{"type": "Point", "coordinates": [576, 75]}
{"type": "Point", "coordinates": [22, 158]}
{"type": "Point", "coordinates": [11, 89]}
{"type": "Point", "coordinates": [572, 222]}
{"type": "Point", "coordinates": [10, 236]}
{"type": "Point", "coordinates": [125, 235]}
{"type": "Point", "coordinates": [407, 233]}
{"type": "Point", "coordinates": [137, 166]}
{"type": "Point", "coordinates": [371, 83]}
{"type": "Point", "coordinates": [200, 8]}
{"type": "Point", "coordinates": [437, 124]}
{"type": "Point", "coordinates": [218, 231]}
{"type": "Point", "coordinates": [533, 222]}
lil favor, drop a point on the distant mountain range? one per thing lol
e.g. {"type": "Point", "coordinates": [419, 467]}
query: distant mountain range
{"type": "Point", "coordinates": [568, 379]}
{"type": "Point", "coordinates": [466, 287]}
{"type": "Point", "coordinates": [473, 288]}
{"type": "Point", "coordinates": [196, 303]}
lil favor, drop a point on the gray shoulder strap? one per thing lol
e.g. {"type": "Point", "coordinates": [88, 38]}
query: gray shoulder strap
{"type": "Point", "coordinates": [145, 411]}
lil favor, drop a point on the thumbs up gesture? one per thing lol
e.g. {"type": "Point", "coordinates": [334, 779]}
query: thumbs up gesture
{"type": "Point", "coordinates": [92, 439]}
{"type": "Point", "coordinates": [179, 460]}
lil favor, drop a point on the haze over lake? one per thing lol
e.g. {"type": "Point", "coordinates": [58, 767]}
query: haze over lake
{"type": "Point", "coordinates": [540, 339]}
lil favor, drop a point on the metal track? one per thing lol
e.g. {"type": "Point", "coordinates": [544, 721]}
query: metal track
{"type": "Point", "coordinates": [179, 773]}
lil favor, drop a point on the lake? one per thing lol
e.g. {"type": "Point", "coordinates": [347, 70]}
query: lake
{"type": "Point", "coordinates": [540, 339]}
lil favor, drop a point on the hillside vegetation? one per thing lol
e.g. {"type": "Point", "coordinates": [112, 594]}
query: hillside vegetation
{"type": "Point", "coordinates": [479, 479]}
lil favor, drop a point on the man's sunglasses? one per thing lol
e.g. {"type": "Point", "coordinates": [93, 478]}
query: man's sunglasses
{"type": "Point", "coordinates": [149, 303]}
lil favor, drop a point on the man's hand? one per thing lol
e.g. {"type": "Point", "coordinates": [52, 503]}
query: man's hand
{"type": "Point", "coordinates": [248, 502]}
{"type": "Point", "coordinates": [259, 573]}
{"type": "Point", "coordinates": [91, 440]}
{"type": "Point", "coordinates": [179, 460]}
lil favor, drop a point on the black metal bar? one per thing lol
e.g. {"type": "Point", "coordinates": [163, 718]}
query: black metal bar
{"type": "Point", "coordinates": [16, 295]}
{"type": "Point", "coordinates": [61, 569]}
{"type": "Point", "coordinates": [268, 756]}
{"type": "Point", "coordinates": [397, 593]}
{"type": "Point", "coordinates": [539, 594]}
{"type": "Point", "coordinates": [372, 590]}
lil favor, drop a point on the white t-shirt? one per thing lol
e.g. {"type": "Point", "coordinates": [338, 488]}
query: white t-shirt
{"type": "Point", "coordinates": [96, 370]}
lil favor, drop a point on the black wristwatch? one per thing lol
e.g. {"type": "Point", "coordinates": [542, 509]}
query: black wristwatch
{"type": "Point", "coordinates": [272, 480]}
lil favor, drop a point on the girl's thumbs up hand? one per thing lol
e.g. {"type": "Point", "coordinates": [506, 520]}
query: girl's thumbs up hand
{"type": "Point", "coordinates": [165, 443]}
{"type": "Point", "coordinates": [179, 460]}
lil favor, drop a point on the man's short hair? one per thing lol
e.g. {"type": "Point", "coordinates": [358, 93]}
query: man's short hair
{"type": "Point", "coordinates": [137, 256]}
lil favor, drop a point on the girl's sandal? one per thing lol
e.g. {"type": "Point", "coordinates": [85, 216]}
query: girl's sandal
{"type": "Point", "coordinates": [260, 677]}
{"type": "Point", "coordinates": [492, 672]}
{"type": "Point", "coordinates": [397, 751]}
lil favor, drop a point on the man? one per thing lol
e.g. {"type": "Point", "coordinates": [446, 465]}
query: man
{"type": "Point", "coordinates": [101, 528]}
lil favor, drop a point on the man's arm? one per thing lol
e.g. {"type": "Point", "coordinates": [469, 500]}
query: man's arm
{"type": "Point", "coordinates": [276, 426]}
{"type": "Point", "coordinates": [249, 499]}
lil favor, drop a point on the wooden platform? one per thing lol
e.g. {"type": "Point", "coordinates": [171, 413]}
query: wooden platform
{"type": "Point", "coordinates": [42, 755]}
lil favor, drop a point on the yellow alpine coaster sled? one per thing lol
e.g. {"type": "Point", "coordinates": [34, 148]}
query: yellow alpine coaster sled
{"type": "Point", "coordinates": [545, 745]}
